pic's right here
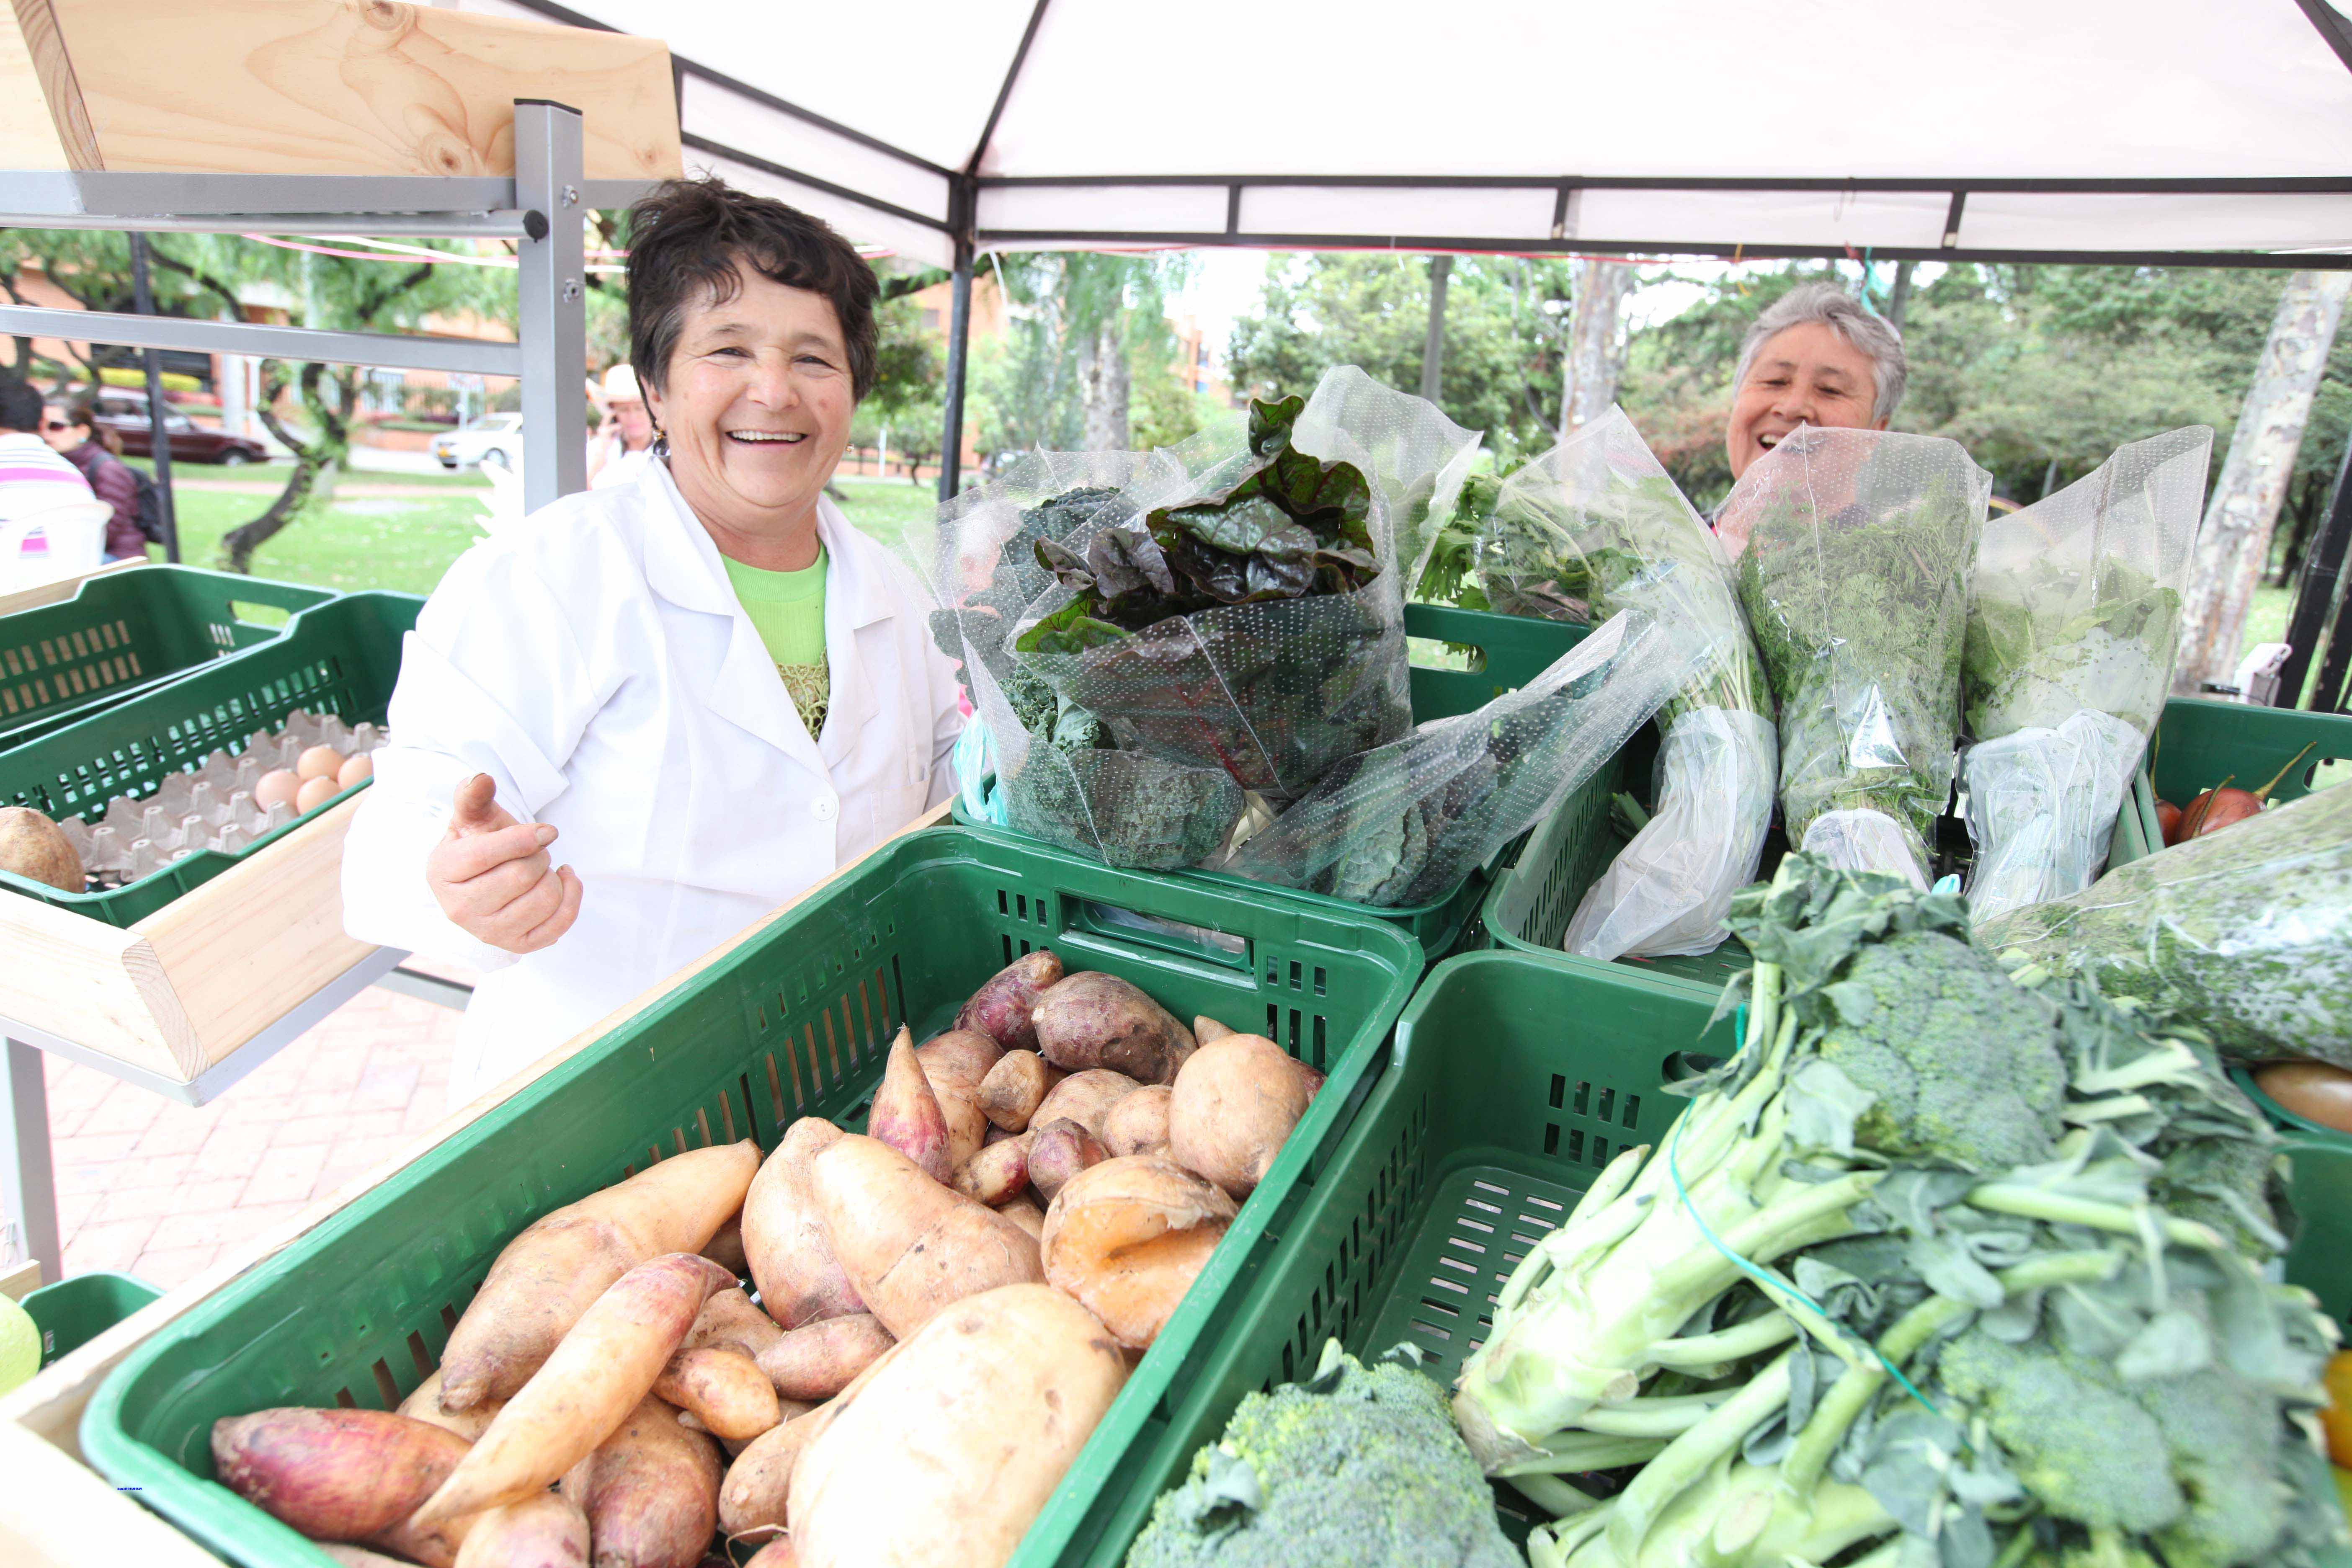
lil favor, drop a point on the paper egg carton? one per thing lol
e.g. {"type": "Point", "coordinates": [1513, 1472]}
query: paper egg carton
{"type": "Point", "coordinates": [210, 807]}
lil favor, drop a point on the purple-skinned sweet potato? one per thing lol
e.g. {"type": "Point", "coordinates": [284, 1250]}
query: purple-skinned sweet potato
{"type": "Point", "coordinates": [905, 1112]}
{"type": "Point", "coordinates": [1096, 1020]}
{"type": "Point", "coordinates": [1059, 1151]}
{"type": "Point", "coordinates": [334, 1475]}
{"type": "Point", "coordinates": [1002, 1009]}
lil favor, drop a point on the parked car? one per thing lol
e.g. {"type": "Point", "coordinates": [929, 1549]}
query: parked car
{"type": "Point", "coordinates": [497, 439]}
{"type": "Point", "coordinates": [191, 442]}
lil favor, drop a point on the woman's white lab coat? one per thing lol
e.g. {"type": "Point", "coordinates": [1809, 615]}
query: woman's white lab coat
{"type": "Point", "coordinates": [595, 662]}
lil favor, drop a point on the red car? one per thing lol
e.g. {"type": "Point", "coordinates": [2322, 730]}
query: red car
{"type": "Point", "coordinates": [191, 442]}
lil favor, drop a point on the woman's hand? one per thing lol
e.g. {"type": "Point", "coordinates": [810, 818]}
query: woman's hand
{"type": "Point", "coordinates": [492, 878]}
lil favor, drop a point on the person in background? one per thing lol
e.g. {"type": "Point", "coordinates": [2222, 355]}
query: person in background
{"type": "Point", "coordinates": [73, 430]}
{"type": "Point", "coordinates": [624, 441]}
{"type": "Point", "coordinates": [33, 476]}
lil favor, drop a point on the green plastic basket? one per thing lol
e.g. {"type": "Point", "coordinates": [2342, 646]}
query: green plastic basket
{"type": "Point", "coordinates": [125, 632]}
{"type": "Point", "coordinates": [2300, 1129]}
{"type": "Point", "coordinates": [72, 1312]}
{"type": "Point", "coordinates": [2199, 743]}
{"type": "Point", "coordinates": [341, 657]}
{"type": "Point", "coordinates": [1495, 654]}
{"type": "Point", "coordinates": [795, 1021]}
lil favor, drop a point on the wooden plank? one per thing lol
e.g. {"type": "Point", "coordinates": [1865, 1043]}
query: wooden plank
{"type": "Point", "coordinates": [248, 947]}
{"type": "Point", "coordinates": [86, 982]}
{"type": "Point", "coordinates": [54, 1513]}
{"type": "Point", "coordinates": [323, 87]}
{"type": "Point", "coordinates": [62, 588]}
{"type": "Point", "coordinates": [21, 1281]}
{"type": "Point", "coordinates": [30, 137]}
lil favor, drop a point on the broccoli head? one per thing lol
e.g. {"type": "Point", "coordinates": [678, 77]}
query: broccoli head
{"type": "Point", "coordinates": [1962, 1063]}
{"type": "Point", "coordinates": [1356, 1468]}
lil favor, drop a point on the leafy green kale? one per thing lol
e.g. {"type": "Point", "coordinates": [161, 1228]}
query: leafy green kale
{"type": "Point", "coordinates": [2043, 645]}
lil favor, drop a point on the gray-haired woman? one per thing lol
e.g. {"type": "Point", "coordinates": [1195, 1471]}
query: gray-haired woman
{"type": "Point", "coordinates": [1816, 357]}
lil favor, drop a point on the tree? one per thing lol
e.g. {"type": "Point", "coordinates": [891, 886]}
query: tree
{"type": "Point", "coordinates": [1081, 329]}
{"type": "Point", "coordinates": [1596, 353]}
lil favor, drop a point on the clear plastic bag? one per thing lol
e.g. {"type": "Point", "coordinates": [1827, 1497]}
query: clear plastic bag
{"type": "Point", "coordinates": [1404, 823]}
{"type": "Point", "coordinates": [2069, 659]}
{"type": "Point", "coordinates": [1853, 552]}
{"type": "Point", "coordinates": [1595, 526]}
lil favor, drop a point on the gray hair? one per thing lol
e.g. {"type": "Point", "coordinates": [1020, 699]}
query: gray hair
{"type": "Point", "coordinates": [1846, 316]}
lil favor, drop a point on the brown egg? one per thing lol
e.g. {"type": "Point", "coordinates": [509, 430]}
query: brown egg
{"type": "Point", "coordinates": [319, 762]}
{"type": "Point", "coordinates": [280, 785]}
{"type": "Point", "coordinates": [314, 793]}
{"type": "Point", "coordinates": [355, 769]}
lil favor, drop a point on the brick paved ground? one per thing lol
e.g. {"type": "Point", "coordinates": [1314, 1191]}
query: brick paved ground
{"type": "Point", "coordinates": [158, 1189]}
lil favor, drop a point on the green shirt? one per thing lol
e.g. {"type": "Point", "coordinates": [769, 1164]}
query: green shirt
{"type": "Point", "coordinates": [787, 609]}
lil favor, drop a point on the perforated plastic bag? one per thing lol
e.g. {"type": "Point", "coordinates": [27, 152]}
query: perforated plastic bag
{"type": "Point", "coordinates": [1404, 822]}
{"type": "Point", "coordinates": [2068, 658]}
{"type": "Point", "coordinates": [1593, 526]}
{"type": "Point", "coordinates": [1853, 552]}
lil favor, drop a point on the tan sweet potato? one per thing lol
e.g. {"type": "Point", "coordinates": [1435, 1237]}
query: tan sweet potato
{"type": "Point", "coordinates": [1086, 1097]}
{"type": "Point", "coordinates": [1010, 1093]}
{"type": "Point", "coordinates": [1138, 1123]}
{"type": "Point", "coordinates": [819, 1360]}
{"type": "Point", "coordinates": [425, 1405]}
{"type": "Point", "coordinates": [1059, 1150]}
{"type": "Point", "coordinates": [548, 1276]}
{"type": "Point", "coordinates": [542, 1531]}
{"type": "Point", "coordinates": [799, 1280]}
{"type": "Point", "coordinates": [1026, 1214]}
{"type": "Point", "coordinates": [334, 1475]}
{"type": "Point", "coordinates": [997, 1172]}
{"type": "Point", "coordinates": [957, 1063]}
{"type": "Point", "coordinates": [753, 1495]}
{"type": "Point", "coordinates": [726, 1248]}
{"type": "Point", "coordinates": [1002, 1009]}
{"type": "Point", "coordinates": [1232, 1106]}
{"type": "Point", "coordinates": [906, 1113]}
{"type": "Point", "coordinates": [946, 1455]}
{"type": "Point", "coordinates": [722, 1387]}
{"type": "Point", "coordinates": [909, 1245]}
{"type": "Point", "coordinates": [351, 1556]}
{"type": "Point", "coordinates": [730, 1318]}
{"type": "Point", "coordinates": [1205, 1028]}
{"type": "Point", "coordinates": [650, 1491]}
{"type": "Point", "coordinates": [777, 1554]}
{"type": "Point", "coordinates": [1127, 1237]}
{"type": "Point", "coordinates": [584, 1392]}
{"type": "Point", "coordinates": [1096, 1020]}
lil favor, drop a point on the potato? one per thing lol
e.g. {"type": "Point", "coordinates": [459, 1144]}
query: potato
{"type": "Point", "coordinates": [1233, 1105]}
{"type": "Point", "coordinates": [1205, 1028]}
{"type": "Point", "coordinates": [906, 1113]}
{"type": "Point", "coordinates": [1127, 1237]}
{"type": "Point", "coordinates": [732, 1319]}
{"type": "Point", "coordinates": [722, 1387]}
{"type": "Point", "coordinates": [726, 1248]}
{"type": "Point", "coordinates": [1096, 1020]}
{"type": "Point", "coordinates": [799, 1280]}
{"type": "Point", "coordinates": [1026, 1214]}
{"type": "Point", "coordinates": [957, 1063]}
{"type": "Point", "coordinates": [909, 1245]}
{"type": "Point", "coordinates": [947, 1453]}
{"type": "Point", "coordinates": [36, 849]}
{"type": "Point", "coordinates": [425, 1405]}
{"type": "Point", "coordinates": [597, 1377]}
{"type": "Point", "coordinates": [1010, 1093]}
{"type": "Point", "coordinates": [1002, 1009]}
{"type": "Point", "coordinates": [997, 1172]}
{"type": "Point", "coordinates": [547, 1277]}
{"type": "Point", "coordinates": [650, 1491]}
{"type": "Point", "coordinates": [1059, 1150]}
{"type": "Point", "coordinates": [1138, 1123]}
{"type": "Point", "coordinates": [544, 1531]}
{"type": "Point", "coordinates": [1086, 1097]}
{"type": "Point", "coordinates": [333, 1475]}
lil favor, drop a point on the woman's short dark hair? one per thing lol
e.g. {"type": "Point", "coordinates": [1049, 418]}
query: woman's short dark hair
{"type": "Point", "coordinates": [685, 238]}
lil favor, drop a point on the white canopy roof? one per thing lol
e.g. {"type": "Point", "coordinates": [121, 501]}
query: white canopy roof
{"type": "Point", "coordinates": [2115, 130]}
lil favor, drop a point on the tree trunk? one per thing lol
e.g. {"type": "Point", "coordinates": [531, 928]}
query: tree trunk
{"type": "Point", "coordinates": [318, 464]}
{"type": "Point", "coordinates": [1901, 299]}
{"type": "Point", "coordinates": [1106, 387]}
{"type": "Point", "coordinates": [2234, 543]}
{"type": "Point", "coordinates": [1433, 349]}
{"type": "Point", "coordinates": [1596, 349]}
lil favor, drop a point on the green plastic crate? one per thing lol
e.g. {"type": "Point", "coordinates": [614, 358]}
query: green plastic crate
{"type": "Point", "coordinates": [341, 657]}
{"type": "Point", "coordinates": [2300, 1129]}
{"type": "Point", "coordinates": [126, 632]}
{"type": "Point", "coordinates": [1499, 654]}
{"type": "Point", "coordinates": [795, 1021]}
{"type": "Point", "coordinates": [2201, 741]}
{"type": "Point", "coordinates": [72, 1312]}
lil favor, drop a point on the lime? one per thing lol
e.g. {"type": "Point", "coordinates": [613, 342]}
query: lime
{"type": "Point", "coordinates": [20, 1345]}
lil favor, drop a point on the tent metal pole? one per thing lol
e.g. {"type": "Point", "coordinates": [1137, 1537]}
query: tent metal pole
{"type": "Point", "coordinates": [2317, 588]}
{"type": "Point", "coordinates": [958, 361]}
{"type": "Point", "coordinates": [555, 306]}
{"type": "Point", "coordinates": [159, 429]}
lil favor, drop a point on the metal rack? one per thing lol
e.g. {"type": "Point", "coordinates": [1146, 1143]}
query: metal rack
{"type": "Point", "coordinates": [540, 209]}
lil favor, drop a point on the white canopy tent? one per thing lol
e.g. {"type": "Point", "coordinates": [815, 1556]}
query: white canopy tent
{"type": "Point", "coordinates": [2151, 131]}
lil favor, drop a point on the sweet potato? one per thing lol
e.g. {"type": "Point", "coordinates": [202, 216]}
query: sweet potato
{"type": "Point", "coordinates": [425, 1405]}
{"type": "Point", "coordinates": [722, 1387]}
{"type": "Point", "coordinates": [957, 1063]}
{"type": "Point", "coordinates": [777, 1554]}
{"type": "Point", "coordinates": [946, 1455]}
{"type": "Point", "coordinates": [650, 1491]}
{"type": "Point", "coordinates": [542, 1531]}
{"type": "Point", "coordinates": [1138, 1123]}
{"type": "Point", "coordinates": [596, 1378]}
{"type": "Point", "coordinates": [1126, 1238]}
{"type": "Point", "coordinates": [1059, 1150]}
{"type": "Point", "coordinates": [730, 1318]}
{"type": "Point", "coordinates": [1086, 1097]}
{"type": "Point", "coordinates": [1205, 1029]}
{"type": "Point", "coordinates": [1026, 1214]}
{"type": "Point", "coordinates": [1096, 1020]}
{"type": "Point", "coordinates": [1002, 1009]}
{"type": "Point", "coordinates": [1233, 1105]}
{"type": "Point", "coordinates": [906, 1113]}
{"type": "Point", "coordinates": [821, 1360]}
{"type": "Point", "coordinates": [547, 1277]}
{"type": "Point", "coordinates": [909, 1245]}
{"type": "Point", "coordinates": [997, 1172]}
{"type": "Point", "coordinates": [351, 1556]}
{"type": "Point", "coordinates": [752, 1497]}
{"type": "Point", "coordinates": [1010, 1093]}
{"type": "Point", "coordinates": [726, 1248]}
{"type": "Point", "coordinates": [799, 1278]}
{"type": "Point", "coordinates": [334, 1475]}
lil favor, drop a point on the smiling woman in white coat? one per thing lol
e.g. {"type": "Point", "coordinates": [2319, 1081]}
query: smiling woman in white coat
{"type": "Point", "coordinates": [630, 726]}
